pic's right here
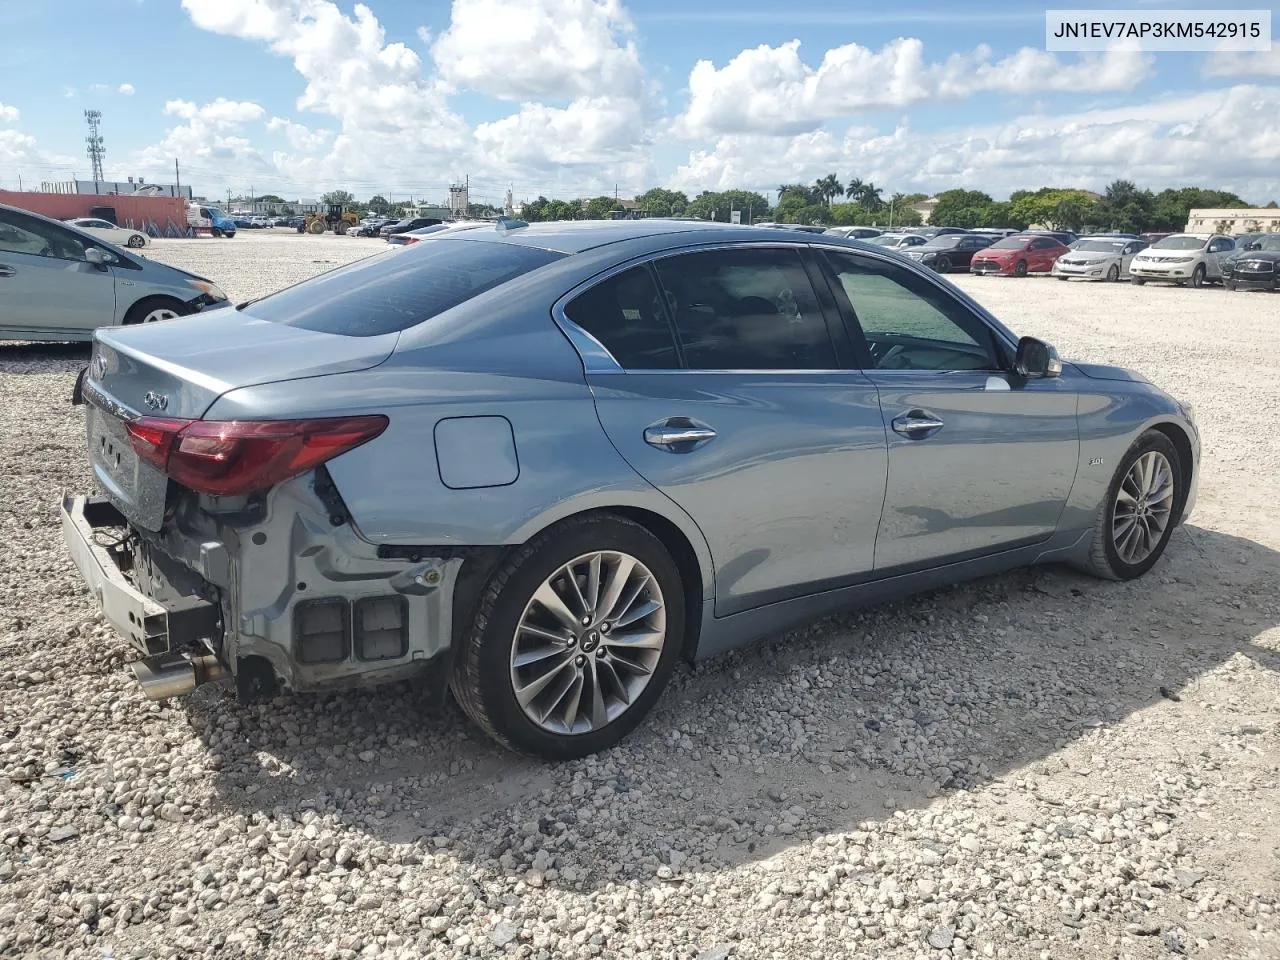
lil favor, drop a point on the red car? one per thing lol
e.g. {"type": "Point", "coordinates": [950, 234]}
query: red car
{"type": "Point", "coordinates": [1018, 255]}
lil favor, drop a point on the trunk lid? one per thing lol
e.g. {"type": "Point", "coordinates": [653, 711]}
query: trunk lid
{"type": "Point", "coordinates": [178, 369]}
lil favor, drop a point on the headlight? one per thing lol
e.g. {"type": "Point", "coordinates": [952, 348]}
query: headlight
{"type": "Point", "coordinates": [1182, 259]}
{"type": "Point", "coordinates": [210, 290]}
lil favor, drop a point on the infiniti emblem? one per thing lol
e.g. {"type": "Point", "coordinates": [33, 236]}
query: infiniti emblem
{"type": "Point", "coordinates": [156, 401]}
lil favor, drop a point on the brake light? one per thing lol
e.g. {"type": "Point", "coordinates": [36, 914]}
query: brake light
{"type": "Point", "coordinates": [237, 457]}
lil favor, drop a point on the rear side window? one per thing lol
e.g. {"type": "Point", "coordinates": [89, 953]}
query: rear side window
{"type": "Point", "coordinates": [396, 290]}
{"type": "Point", "coordinates": [625, 314]}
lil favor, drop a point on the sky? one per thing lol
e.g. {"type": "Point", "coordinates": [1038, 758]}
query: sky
{"type": "Point", "coordinates": [573, 98]}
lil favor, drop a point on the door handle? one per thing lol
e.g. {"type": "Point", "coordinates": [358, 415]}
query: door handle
{"type": "Point", "coordinates": [6, 270]}
{"type": "Point", "coordinates": [678, 434]}
{"type": "Point", "coordinates": [916, 424]}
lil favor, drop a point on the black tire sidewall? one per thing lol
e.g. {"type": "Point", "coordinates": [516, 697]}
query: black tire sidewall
{"type": "Point", "coordinates": [1151, 440]}
{"type": "Point", "coordinates": [139, 310]}
{"type": "Point", "coordinates": [1113, 274]}
{"type": "Point", "coordinates": [1020, 269]}
{"type": "Point", "coordinates": [1197, 277]}
{"type": "Point", "coordinates": [944, 264]}
{"type": "Point", "coordinates": [495, 654]}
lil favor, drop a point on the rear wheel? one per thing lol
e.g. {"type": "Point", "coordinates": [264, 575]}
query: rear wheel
{"type": "Point", "coordinates": [1137, 517]}
{"type": "Point", "coordinates": [1197, 277]}
{"type": "Point", "coordinates": [137, 240]}
{"type": "Point", "coordinates": [1113, 274]}
{"type": "Point", "coordinates": [574, 639]}
{"type": "Point", "coordinates": [1021, 269]}
{"type": "Point", "coordinates": [153, 309]}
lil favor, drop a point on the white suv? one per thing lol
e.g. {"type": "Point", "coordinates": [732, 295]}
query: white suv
{"type": "Point", "coordinates": [1183, 258]}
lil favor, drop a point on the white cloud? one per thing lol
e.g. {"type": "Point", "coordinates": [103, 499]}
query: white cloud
{"type": "Point", "coordinates": [300, 136]}
{"type": "Point", "coordinates": [1223, 139]}
{"type": "Point", "coordinates": [126, 89]}
{"type": "Point", "coordinates": [8, 114]}
{"type": "Point", "coordinates": [559, 49]}
{"type": "Point", "coordinates": [218, 113]}
{"type": "Point", "coordinates": [68, 92]}
{"type": "Point", "coordinates": [772, 90]}
{"type": "Point", "coordinates": [98, 88]}
{"type": "Point", "coordinates": [1264, 63]}
{"type": "Point", "coordinates": [587, 131]}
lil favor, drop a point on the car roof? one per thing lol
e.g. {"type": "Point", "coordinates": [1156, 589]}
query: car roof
{"type": "Point", "coordinates": [575, 236]}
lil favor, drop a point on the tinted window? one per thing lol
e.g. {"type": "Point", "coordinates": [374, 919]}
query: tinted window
{"type": "Point", "coordinates": [394, 291]}
{"type": "Point", "coordinates": [908, 322]}
{"type": "Point", "coordinates": [746, 309]}
{"type": "Point", "coordinates": [1043, 244]}
{"type": "Point", "coordinates": [625, 314]}
{"type": "Point", "coordinates": [23, 234]}
{"type": "Point", "coordinates": [1009, 243]}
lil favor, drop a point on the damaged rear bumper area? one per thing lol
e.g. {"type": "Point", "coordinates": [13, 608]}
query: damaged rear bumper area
{"type": "Point", "coordinates": [272, 592]}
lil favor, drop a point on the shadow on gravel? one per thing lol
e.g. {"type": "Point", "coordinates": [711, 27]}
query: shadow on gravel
{"type": "Point", "coordinates": [22, 358]}
{"type": "Point", "coordinates": [811, 733]}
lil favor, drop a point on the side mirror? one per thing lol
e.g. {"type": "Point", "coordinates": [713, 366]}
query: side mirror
{"type": "Point", "coordinates": [98, 257]}
{"type": "Point", "coordinates": [1036, 359]}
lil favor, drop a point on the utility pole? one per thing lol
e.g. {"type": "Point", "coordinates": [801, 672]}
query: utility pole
{"type": "Point", "coordinates": [177, 180]}
{"type": "Point", "coordinates": [95, 150]}
{"type": "Point", "coordinates": [19, 183]}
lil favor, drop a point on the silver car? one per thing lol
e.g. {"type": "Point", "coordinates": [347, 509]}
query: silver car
{"type": "Point", "coordinates": [61, 283]}
{"type": "Point", "coordinates": [1098, 258]}
{"type": "Point", "coordinates": [541, 464]}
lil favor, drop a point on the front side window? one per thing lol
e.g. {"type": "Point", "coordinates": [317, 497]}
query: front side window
{"type": "Point", "coordinates": [746, 309]}
{"type": "Point", "coordinates": [23, 234]}
{"type": "Point", "coordinates": [908, 322]}
{"type": "Point", "coordinates": [624, 313]}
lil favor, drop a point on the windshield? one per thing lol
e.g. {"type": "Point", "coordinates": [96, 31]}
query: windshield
{"type": "Point", "coordinates": [1009, 243]}
{"type": "Point", "coordinates": [216, 214]}
{"type": "Point", "coordinates": [945, 242]}
{"type": "Point", "coordinates": [393, 292]}
{"type": "Point", "coordinates": [1179, 242]}
{"type": "Point", "coordinates": [1099, 246]}
{"type": "Point", "coordinates": [1271, 242]}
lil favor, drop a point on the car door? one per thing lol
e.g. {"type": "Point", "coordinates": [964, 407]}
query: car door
{"type": "Point", "coordinates": [980, 460]}
{"type": "Point", "coordinates": [1219, 249]}
{"type": "Point", "coordinates": [1131, 249]}
{"type": "Point", "coordinates": [720, 383]}
{"type": "Point", "coordinates": [1038, 255]}
{"type": "Point", "coordinates": [45, 282]}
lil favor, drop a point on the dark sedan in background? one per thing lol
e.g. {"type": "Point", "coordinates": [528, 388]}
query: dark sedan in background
{"type": "Point", "coordinates": [949, 251]}
{"type": "Point", "coordinates": [407, 224]}
{"type": "Point", "coordinates": [1255, 267]}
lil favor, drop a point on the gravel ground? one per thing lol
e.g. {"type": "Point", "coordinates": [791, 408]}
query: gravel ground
{"type": "Point", "coordinates": [1036, 765]}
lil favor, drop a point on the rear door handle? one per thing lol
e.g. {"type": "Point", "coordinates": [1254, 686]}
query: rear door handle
{"type": "Point", "coordinates": [678, 434]}
{"type": "Point", "coordinates": [6, 270]}
{"type": "Point", "coordinates": [916, 424]}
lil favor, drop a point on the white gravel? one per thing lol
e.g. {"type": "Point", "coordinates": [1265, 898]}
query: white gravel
{"type": "Point", "coordinates": [1037, 765]}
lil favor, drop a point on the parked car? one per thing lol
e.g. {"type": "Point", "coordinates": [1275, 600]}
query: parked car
{"type": "Point", "coordinates": [1256, 266]}
{"type": "Point", "coordinates": [280, 222]}
{"type": "Point", "coordinates": [407, 224]}
{"type": "Point", "coordinates": [1182, 258]}
{"type": "Point", "coordinates": [930, 232]}
{"type": "Point", "coordinates": [1064, 237]}
{"type": "Point", "coordinates": [201, 216]}
{"type": "Point", "coordinates": [58, 282]}
{"type": "Point", "coordinates": [1153, 237]}
{"type": "Point", "coordinates": [296, 222]}
{"type": "Point", "coordinates": [369, 228]}
{"type": "Point", "coordinates": [949, 251]}
{"type": "Point", "coordinates": [1098, 257]}
{"type": "Point", "coordinates": [854, 233]}
{"type": "Point", "coordinates": [438, 230]}
{"type": "Point", "coordinates": [899, 241]}
{"type": "Point", "coordinates": [260, 222]}
{"type": "Point", "coordinates": [995, 233]}
{"type": "Point", "coordinates": [1244, 239]}
{"type": "Point", "coordinates": [1018, 255]}
{"type": "Point", "coordinates": [574, 520]}
{"type": "Point", "coordinates": [120, 236]}
{"type": "Point", "coordinates": [244, 223]}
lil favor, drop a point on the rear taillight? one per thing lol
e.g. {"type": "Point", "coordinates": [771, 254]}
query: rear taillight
{"type": "Point", "coordinates": [237, 457]}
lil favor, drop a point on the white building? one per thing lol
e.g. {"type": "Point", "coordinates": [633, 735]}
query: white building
{"type": "Point", "coordinates": [1239, 220]}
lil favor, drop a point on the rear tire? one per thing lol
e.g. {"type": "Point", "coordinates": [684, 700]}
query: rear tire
{"type": "Point", "coordinates": [512, 624]}
{"type": "Point", "coordinates": [1021, 269]}
{"type": "Point", "coordinates": [1114, 553]}
{"type": "Point", "coordinates": [137, 240]}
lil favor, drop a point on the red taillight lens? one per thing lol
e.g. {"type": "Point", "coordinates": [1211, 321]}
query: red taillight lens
{"type": "Point", "coordinates": [237, 457]}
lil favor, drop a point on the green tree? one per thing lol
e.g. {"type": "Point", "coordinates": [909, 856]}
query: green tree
{"type": "Point", "coordinates": [711, 205]}
{"type": "Point", "coordinates": [1126, 208]}
{"type": "Point", "coordinates": [913, 197]}
{"type": "Point", "coordinates": [802, 206]}
{"type": "Point", "coordinates": [599, 208]}
{"type": "Point", "coordinates": [827, 188]}
{"type": "Point", "coordinates": [961, 208]}
{"type": "Point", "coordinates": [801, 189]}
{"type": "Point", "coordinates": [378, 204]}
{"type": "Point", "coordinates": [1171, 207]}
{"type": "Point", "coordinates": [270, 198]}
{"type": "Point", "coordinates": [1272, 205]}
{"type": "Point", "coordinates": [286, 210]}
{"type": "Point", "coordinates": [337, 196]}
{"type": "Point", "coordinates": [663, 203]}
{"type": "Point", "coordinates": [1052, 207]}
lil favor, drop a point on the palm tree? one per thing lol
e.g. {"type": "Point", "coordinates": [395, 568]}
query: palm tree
{"type": "Point", "coordinates": [870, 198]}
{"type": "Point", "coordinates": [854, 190]}
{"type": "Point", "coordinates": [828, 187]}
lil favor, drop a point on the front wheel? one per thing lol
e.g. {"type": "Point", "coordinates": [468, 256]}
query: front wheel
{"type": "Point", "coordinates": [1197, 277]}
{"type": "Point", "coordinates": [1021, 269]}
{"type": "Point", "coordinates": [1141, 507]}
{"type": "Point", "coordinates": [943, 265]}
{"type": "Point", "coordinates": [217, 232]}
{"type": "Point", "coordinates": [154, 309]}
{"type": "Point", "coordinates": [574, 639]}
{"type": "Point", "coordinates": [1113, 274]}
{"type": "Point", "coordinates": [137, 240]}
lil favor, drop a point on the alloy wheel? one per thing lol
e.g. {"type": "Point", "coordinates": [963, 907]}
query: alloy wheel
{"type": "Point", "coordinates": [159, 313]}
{"type": "Point", "coordinates": [1143, 507]}
{"type": "Point", "coordinates": [588, 642]}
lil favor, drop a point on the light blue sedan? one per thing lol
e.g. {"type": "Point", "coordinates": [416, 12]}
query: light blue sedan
{"type": "Point", "coordinates": [542, 463]}
{"type": "Point", "coordinates": [58, 282]}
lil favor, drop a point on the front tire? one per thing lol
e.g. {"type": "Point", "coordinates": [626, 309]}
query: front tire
{"type": "Point", "coordinates": [154, 309]}
{"type": "Point", "coordinates": [137, 240]}
{"type": "Point", "coordinates": [1142, 504]}
{"type": "Point", "coordinates": [943, 265]}
{"type": "Point", "coordinates": [1197, 277]}
{"type": "Point", "coordinates": [1021, 269]}
{"type": "Point", "coordinates": [1113, 274]}
{"type": "Point", "coordinates": [574, 639]}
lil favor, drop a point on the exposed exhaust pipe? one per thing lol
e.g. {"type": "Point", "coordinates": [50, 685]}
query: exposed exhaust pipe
{"type": "Point", "coordinates": [175, 675]}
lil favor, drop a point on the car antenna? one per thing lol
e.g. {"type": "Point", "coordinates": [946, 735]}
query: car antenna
{"type": "Point", "coordinates": [506, 223]}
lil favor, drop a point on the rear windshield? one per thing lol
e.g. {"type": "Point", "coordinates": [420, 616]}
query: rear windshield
{"type": "Point", "coordinates": [398, 289]}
